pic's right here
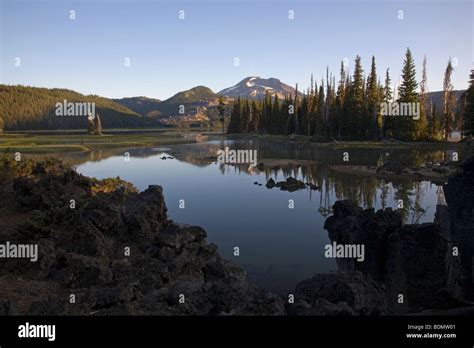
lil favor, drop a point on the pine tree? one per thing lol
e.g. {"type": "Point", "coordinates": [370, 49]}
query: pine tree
{"type": "Point", "coordinates": [448, 101]}
{"type": "Point", "coordinates": [255, 116]}
{"type": "Point", "coordinates": [356, 105]}
{"type": "Point", "coordinates": [387, 91]}
{"type": "Point", "coordinates": [303, 114]}
{"type": "Point", "coordinates": [319, 119]}
{"type": "Point", "coordinates": [234, 122]}
{"type": "Point", "coordinates": [387, 124]}
{"type": "Point", "coordinates": [310, 109]}
{"type": "Point", "coordinates": [275, 115]}
{"type": "Point", "coordinates": [296, 116]}
{"type": "Point", "coordinates": [422, 124]}
{"type": "Point", "coordinates": [407, 94]}
{"type": "Point", "coordinates": [267, 113]}
{"type": "Point", "coordinates": [221, 110]}
{"type": "Point", "coordinates": [372, 102]}
{"type": "Point", "coordinates": [244, 117]}
{"type": "Point", "coordinates": [340, 102]}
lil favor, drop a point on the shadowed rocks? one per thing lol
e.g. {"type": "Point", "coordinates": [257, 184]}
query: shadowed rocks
{"type": "Point", "coordinates": [417, 262]}
{"type": "Point", "coordinates": [291, 184]}
{"type": "Point", "coordinates": [339, 293]}
{"type": "Point", "coordinates": [459, 193]}
{"type": "Point", "coordinates": [116, 251]}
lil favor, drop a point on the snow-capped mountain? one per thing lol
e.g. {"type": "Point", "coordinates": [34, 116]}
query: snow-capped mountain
{"type": "Point", "coordinates": [256, 87]}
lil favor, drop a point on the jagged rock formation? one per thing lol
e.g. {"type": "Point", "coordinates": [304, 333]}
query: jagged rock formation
{"type": "Point", "coordinates": [83, 251]}
{"type": "Point", "coordinates": [408, 259]}
{"type": "Point", "coordinates": [416, 261]}
{"type": "Point", "coordinates": [459, 193]}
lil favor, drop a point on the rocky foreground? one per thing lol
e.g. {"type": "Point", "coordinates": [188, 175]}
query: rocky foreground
{"type": "Point", "coordinates": [107, 249]}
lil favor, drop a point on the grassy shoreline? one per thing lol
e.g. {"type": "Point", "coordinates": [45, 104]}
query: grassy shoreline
{"type": "Point", "coordinates": [80, 142]}
{"type": "Point", "coordinates": [308, 140]}
{"type": "Point", "coordinates": [69, 143]}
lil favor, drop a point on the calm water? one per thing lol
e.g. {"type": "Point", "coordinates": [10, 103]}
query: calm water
{"type": "Point", "coordinates": [279, 246]}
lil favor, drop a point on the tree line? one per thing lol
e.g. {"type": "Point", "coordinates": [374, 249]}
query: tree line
{"type": "Point", "coordinates": [350, 109]}
{"type": "Point", "coordinates": [32, 108]}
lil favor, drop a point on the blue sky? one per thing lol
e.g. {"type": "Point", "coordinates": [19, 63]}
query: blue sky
{"type": "Point", "coordinates": [168, 55]}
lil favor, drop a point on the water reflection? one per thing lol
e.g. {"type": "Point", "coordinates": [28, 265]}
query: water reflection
{"type": "Point", "coordinates": [279, 246]}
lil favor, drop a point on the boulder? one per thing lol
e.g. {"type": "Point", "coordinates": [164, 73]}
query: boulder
{"type": "Point", "coordinates": [339, 293]}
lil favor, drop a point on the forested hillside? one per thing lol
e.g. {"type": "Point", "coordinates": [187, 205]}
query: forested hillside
{"type": "Point", "coordinates": [199, 95]}
{"type": "Point", "coordinates": [141, 105]}
{"type": "Point", "coordinates": [32, 108]}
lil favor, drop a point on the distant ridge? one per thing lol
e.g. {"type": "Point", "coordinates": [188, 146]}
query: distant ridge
{"type": "Point", "coordinates": [141, 105]}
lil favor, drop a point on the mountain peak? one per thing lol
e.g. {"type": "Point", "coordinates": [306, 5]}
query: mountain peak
{"type": "Point", "coordinates": [256, 87]}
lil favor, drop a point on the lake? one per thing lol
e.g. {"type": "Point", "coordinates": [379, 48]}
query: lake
{"type": "Point", "coordinates": [278, 246]}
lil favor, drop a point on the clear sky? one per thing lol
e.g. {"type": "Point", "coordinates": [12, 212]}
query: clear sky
{"type": "Point", "coordinates": [168, 54]}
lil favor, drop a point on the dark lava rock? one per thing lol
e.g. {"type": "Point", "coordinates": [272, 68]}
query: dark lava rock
{"type": "Point", "coordinates": [408, 259]}
{"type": "Point", "coordinates": [291, 184]}
{"type": "Point", "coordinates": [339, 293]}
{"type": "Point", "coordinates": [459, 193]}
{"type": "Point", "coordinates": [270, 183]}
{"type": "Point", "coordinates": [7, 308]}
{"type": "Point", "coordinates": [117, 251]}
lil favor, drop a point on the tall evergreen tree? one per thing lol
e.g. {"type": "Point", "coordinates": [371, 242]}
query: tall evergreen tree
{"type": "Point", "coordinates": [372, 103]}
{"type": "Point", "coordinates": [290, 115]}
{"type": "Point", "coordinates": [244, 117]}
{"type": "Point", "coordinates": [319, 119]}
{"type": "Point", "coordinates": [340, 102]}
{"type": "Point", "coordinates": [221, 110]}
{"type": "Point", "coordinates": [356, 100]}
{"type": "Point", "coordinates": [234, 123]}
{"type": "Point", "coordinates": [387, 90]}
{"type": "Point", "coordinates": [255, 117]}
{"type": "Point", "coordinates": [422, 124]}
{"type": "Point", "coordinates": [407, 94]}
{"type": "Point", "coordinates": [448, 101]}
{"type": "Point", "coordinates": [387, 123]}
{"type": "Point", "coordinates": [275, 119]}
{"type": "Point", "coordinates": [267, 112]}
{"type": "Point", "coordinates": [296, 111]}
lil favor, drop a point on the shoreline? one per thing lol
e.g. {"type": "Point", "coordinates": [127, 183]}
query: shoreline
{"type": "Point", "coordinates": [82, 143]}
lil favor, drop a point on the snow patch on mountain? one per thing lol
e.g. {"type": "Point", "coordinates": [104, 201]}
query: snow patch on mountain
{"type": "Point", "coordinates": [257, 87]}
